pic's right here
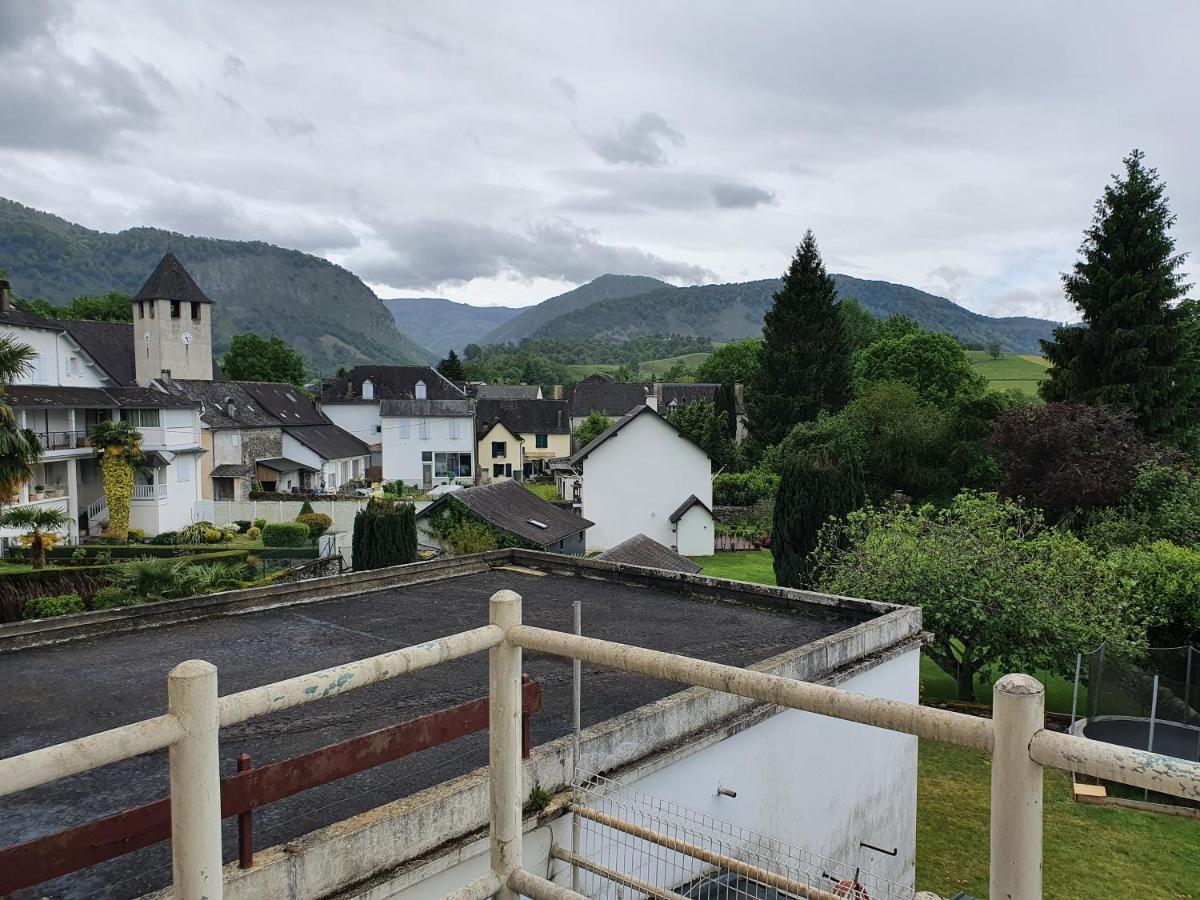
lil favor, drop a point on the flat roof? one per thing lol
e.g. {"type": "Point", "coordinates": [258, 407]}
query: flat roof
{"type": "Point", "coordinates": [59, 692]}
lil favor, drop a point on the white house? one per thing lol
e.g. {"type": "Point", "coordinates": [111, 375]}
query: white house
{"type": "Point", "coordinates": [643, 476]}
{"type": "Point", "coordinates": [428, 442]}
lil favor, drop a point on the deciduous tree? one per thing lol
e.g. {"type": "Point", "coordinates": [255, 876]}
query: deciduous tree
{"type": "Point", "coordinates": [254, 358]}
{"type": "Point", "coordinates": [595, 424]}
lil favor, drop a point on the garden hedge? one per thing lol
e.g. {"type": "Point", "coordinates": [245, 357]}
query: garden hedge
{"type": "Point", "coordinates": [285, 534]}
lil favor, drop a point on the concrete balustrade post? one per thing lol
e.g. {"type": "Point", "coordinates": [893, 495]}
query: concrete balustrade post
{"type": "Point", "coordinates": [1018, 713]}
{"type": "Point", "coordinates": [195, 781]}
{"type": "Point", "coordinates": [504, 752]}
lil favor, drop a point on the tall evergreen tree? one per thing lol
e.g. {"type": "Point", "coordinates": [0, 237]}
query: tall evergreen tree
{"type": "Point", "coordinates": [1136, 346]}
{"type": "Point", "coordinates": [726, 404]}
{"type": "Point", "coordinates": [804, 364]}
{"type": "Point", "coordinates": [452, 367]}
{"type": "Point", "coordinates": [813, 489]}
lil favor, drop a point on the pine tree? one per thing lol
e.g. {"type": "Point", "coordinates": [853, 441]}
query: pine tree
{"type": "Point", "coordinates": [452, 368]}
{"type": "Point", "coordinates": [1135, 348]}
{"type": "Point", "coordinates": [804, 365]}
{"type": "Point", "coordinates": [726, 403]}
{"type": "Point", "coordinates": [811, 491]}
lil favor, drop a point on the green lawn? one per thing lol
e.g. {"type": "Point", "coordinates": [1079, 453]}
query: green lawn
{"type": "Point", "coordinates": [1010, 371]}
{"type": "Point", "coordinates": [1088, 851]}
{"type": "Point", "coordinates": [746, 565]}
{"type": "Point", "coordinates": [547, 491]}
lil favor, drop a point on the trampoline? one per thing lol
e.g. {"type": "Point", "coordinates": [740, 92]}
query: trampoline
{"type": "Point", "coordinates": [1169, 738]}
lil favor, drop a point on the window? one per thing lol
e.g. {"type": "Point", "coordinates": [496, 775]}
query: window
{"type": "Point", "coordinates": [149, 309]}
{"type": "Point", "coordinates": [419, 390]}
{"type": "Point", "coordinates": [499, 449]}
{"type": "Point", "coordinates": [184, 463]}
{"type": "Point", "coordinates": [404, 431]}
{"type": "Point", "coordinates": [379, 429]}
{"type": "Point", "coordinates": [174, 309]}
{"type": "Point", "coordinates": [454, 429]}
{"type": "Point", "coordinates": [195, 312]}
{"type": "Point", "coordinates": [141, 418]}
{"type": "Point", "coordinates": [452, 465]}
{"type": "Point", "coordinates": [424, 429]}
{"type": "Point", "coordinates": [235, 439]}
{"type": "Point", "coordinates": [498, 470]}
{"type": "Point", "coordinates": [141, 309]}
{"type": "Point", "coordinates": [508, 469]}
{"type": "Point", "coordinates": [38, 369]}
{"type": "Point", "coordinates": [541, 441]}
{"type": "Point", "coordinates": [426, 456]}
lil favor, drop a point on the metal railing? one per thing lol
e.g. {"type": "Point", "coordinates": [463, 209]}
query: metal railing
{"type": "Point", "coordinates": [1015, 737]}
{"type": "Point", "coordinates": [63, 440]}
{"type": "Point", "coordinates": [149, 492]}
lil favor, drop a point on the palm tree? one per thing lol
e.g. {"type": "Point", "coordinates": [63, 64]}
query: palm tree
{"type": "Point", "coordinates": [120, 446]}
{"type": "Point", "coordinates": [19, 447]}
{"type": "Point", "coordinates": [37, 520]}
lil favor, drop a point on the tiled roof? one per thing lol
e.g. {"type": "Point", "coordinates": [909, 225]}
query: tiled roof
{"type": "Point", "coordinates": [507, 391]}
{"type": "Point", "coordinates": [328, 441]}
{"type": "Point", "coordinates": [285, 402]}
{"type": "Point", "coordinates": [391, 383]}
{"type": "Point", "coordinates": [219, 398]}
{"type": "Point", "coordinates": [171, 281]}
{"type": "Point", "coordinates": [42, 396]}
{"type": "Point", "coordinates": [522, 416]}
{"type": "Point", "coordinates": [613, 398]}
{"type": "Point", "coordinates": [110, 344]}
{"type": "Point", "coordinates": [513, 508]}
{"type": "Point", "coordinates": [426, 408]}
{"type": "Point", "coordinates": [640, 550]}
{"type": "Point", "coordinates": [283, 464]}
{"type": "Point", "coordinates": [232, 470]}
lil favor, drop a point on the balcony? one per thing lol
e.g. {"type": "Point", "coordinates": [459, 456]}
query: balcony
{"type": "Point", "coordinates": [149, 492]}
{"type": "Point", "coordinates": [56, 441]}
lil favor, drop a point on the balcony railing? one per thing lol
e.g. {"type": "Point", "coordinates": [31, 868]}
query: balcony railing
{"type": "Point", "coordinates": [63, 440]}
{"type": "Point", "coordinates": [149, 492]}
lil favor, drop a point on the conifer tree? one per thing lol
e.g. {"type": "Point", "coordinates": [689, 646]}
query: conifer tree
{"type": "Point", "coordinates": [813, 490]}
{"type": "Point", "coordinates": [451, 367]}
{"type": "Point", "coordinates": [804, 363]}
{"type": "Point", "coordinates": [1135, 348]}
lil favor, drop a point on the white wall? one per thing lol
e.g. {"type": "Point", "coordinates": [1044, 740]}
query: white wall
{"type": "Point", "coordinates": [694, 533]}
{"type": "Point", "coordinates": [360, 419]}
{"type": "Point", "coordinates": [54, 349]}
{"type": "Point", "coordinates": [637, 478]}
{"type": "Point", "coordinates": [225, 451]}
{"type": "Point", "coordinates": [403, 445]}
{"type": "Point", "coordinates": [816, 783]}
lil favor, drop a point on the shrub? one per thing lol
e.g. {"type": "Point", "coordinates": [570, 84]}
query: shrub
{"type": "Point", "coordinates": [112, 598]}
{"type": "Point", "coordinates": [306, 508]}
{"type": "Point", "coordinates": [470, 537]}
{"type": "Point", "coordinates": [165, 538]}
{"type": "Point", "coordinates": [212, 536]}
{"type": "Point", "coordinates": [45, 607]}
{"type": "Point", "coordinates": [1162, 582]}
{"type": "Point", "coordinates": [260, 524]}
{"type": "Point", "coordinates": [385, 534]}
{"type": "Point", "coordinates": [243, 525]}
{"type": "Point", "coordinates": [196, 533]}
{"type": "Point", "coordinates": [285, 534]}
{"type": "Point", "coordinates": [744, 488]}
{"type": "Point", "coordinates": [136, 535]}
{"type": "Point", "coordinates": [318, 523]}
{"type": "Point", "coordinates": [209, 578]}
{"type": "Point", "coordinates": [254, 532]}
{"type": "Point", "coordinates": [153, 579]}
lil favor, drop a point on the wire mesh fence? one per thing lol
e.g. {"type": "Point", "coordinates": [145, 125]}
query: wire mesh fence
{"type": "Point", "coordinates": [634, 844]}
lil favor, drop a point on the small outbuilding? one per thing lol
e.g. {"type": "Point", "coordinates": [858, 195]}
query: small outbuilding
{"type": "Point", "coordinates": [640, 550]}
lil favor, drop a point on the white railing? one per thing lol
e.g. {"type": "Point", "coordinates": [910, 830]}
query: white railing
{"type": "Point", "coordinates": [97, 508]}
{"type": "Point", "coordinates": [1015, 737]}
{"type": "Point", "coordinates": [149, 492]}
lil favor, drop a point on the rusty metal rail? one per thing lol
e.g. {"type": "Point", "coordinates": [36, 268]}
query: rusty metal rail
{"type": "Point", "coordinates": [52, 856]}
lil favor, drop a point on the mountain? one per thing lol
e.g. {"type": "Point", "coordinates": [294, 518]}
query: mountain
{"type": "Point", "coordinates": [322, 310]}
{"type": "Point", "coordinates": [442, 325]}
{"type": "Point", "coordinates": [727, 312]}
{"type": "Point", "coordinates": [606, 287]}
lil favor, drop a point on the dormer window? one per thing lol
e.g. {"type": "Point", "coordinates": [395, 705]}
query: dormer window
{"type": "Point", "coordinates": [420, 390]}
{"type": "Point", "coordinates": [368, 389]}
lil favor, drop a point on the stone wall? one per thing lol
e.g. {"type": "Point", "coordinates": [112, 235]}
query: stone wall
{"type": "Point", "coordinates": [259, 443]}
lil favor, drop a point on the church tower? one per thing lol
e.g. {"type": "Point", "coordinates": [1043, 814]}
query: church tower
{"type": "Point", "coordinates": [172, 326]}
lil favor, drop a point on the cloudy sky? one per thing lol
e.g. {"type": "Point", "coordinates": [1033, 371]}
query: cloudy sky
{"type": "Point", "coordinates": [501, 153]}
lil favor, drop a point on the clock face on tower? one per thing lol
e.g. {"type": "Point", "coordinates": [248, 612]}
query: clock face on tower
{"type": "Point", "coordinates": [186, 337]}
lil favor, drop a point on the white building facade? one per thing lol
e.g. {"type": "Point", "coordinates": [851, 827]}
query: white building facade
{"type": "Point", "coordinates": [428, 442]}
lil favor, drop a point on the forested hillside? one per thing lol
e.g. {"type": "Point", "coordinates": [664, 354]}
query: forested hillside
{"type": "Point", "coordinates": [443, 325]}
{"type": "Point", "coordinates": [321, 309]}
{"type": "Point", "coordinates": [606, 287]}
{"type": "Point", "coordinates": [727, 312]}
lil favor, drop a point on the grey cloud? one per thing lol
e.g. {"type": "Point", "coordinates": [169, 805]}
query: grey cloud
{"type": "Point", "coordinates": [292, 126]}
{"type": "Point", "coordinates": [951, 280]}
{"type": "Point", "coordinates": [1046, 302]}
{"type": "Point", "coordinates": [564, 87]}
{"type": "Point", "coordinates": [432, 41]}
{"type": "Point", "coordinates": [638, 143]}
{"type": "Point", "coordinates": [233, 66]}
{"type": "Point", "coordinates": [22, 21]}
{"type": "Point", "coordinates": [431, 252]}
{"type": "Point", "coordinates": [732, 195]}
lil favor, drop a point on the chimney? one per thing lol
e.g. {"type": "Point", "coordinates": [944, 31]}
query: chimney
{"type": "Point", "coordinates": [5, 296]}
{"type": "Point", "coordinates": [165, 377]}
{"type": "Point", "coordinates": [558, 392]}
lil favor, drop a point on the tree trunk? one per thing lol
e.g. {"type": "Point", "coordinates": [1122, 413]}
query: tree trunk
{"type": "Point", "coordinates": [37, 552]}
{"type": "Point", "coordinates": [966, 683]}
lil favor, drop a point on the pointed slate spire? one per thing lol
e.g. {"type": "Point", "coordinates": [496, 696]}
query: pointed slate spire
{"type": "Point", "coordinates": [171, 281]}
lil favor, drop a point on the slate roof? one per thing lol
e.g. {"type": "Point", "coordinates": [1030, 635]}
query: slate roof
{"type": "Point", "coordinates": [522, 416]}
{"type": "Point", "coordinates": [507, 391]}
{"type": "Point", "coordinates": [687, 504]}
{"type": "Point", "coordinates": [14, 316]}
{"type": "Point", "coordinates": [613, 398]}
{"type": "Point", "coordinates": [582, 453]}
{"type": "Point", "coordinates": [640, 550]}
{"type": "Point", "coordinates": [214, 398]}
{"type": "Point", "coordinates": [328, 441]}
{"type": "Point", "coordinates": [171, 281]}
{"type": "Point", "coordinates": [283, 464]}
{"type": "Point", "coordinates": [510, 506]}
{"type": "Point", "coordinates": [232, 470]}
{"type": "Point", "coordinates": [426, 408]}
{"type": "Point", "coordinates": [391, 383]}
{"type": "Point", "coordinates": [49, 396]}
{"type": "Point", "coordinates": [110, 344]}
{"type": "Point", "coordinates": [285, 402]}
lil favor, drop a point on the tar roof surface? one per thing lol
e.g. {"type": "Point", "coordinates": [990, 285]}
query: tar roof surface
{"type": "Point", "coordinates": [126, 682]}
